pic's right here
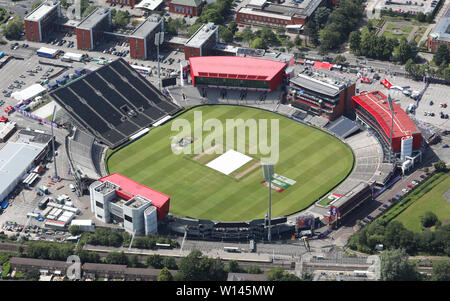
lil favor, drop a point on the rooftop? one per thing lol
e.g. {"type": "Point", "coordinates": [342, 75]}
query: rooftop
{"type": "Point", "coordinates": [133, 188]}
{"type": "Point", "coordinates": [201, 35]}
{"type": "Point", "coordinates": [235, 67]}
{"type": "Point", "coordinates": [376, 102]}
{"type": "Point", "coordinates": [27, 136]}
{"type": "Point", "coordinates": [15, 158]}
{"type": "Point", "coordinates": [321, 81]}
{"type": "Point", "coordinates": [94, 18]}
{"type": "Point", "coordinates": [342, 200]}
{"type": "Point", "coordinates": [147, 27]}
{"type": "Point", "coordinates": [149, 4]}
{"type": "Point", "coordinates": [286, 10]}
{"type": "Point", "coordinates": [194, 3]}
{"type": "Point", "coordinates": [137, 202]}
{"type": "Point", "coordinates": [39, 262]}
{"type": "Point", "coordinates": [42, 10]}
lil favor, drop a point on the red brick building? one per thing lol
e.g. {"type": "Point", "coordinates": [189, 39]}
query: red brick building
{"type": "Point", "coordinates": [42, 21]}
{"type": "Point", "coordinates": [441, 33]}
{"type": "Point", "coordinates": [186, 7]}
{"type": "Point", "coordinates": [142, 39]}
{"type": "Point", "coordinates": [202, 42]}
{"type": "Point", "coordinates": [261, 12]}
{"type": "Point", "coordinates": [90, 30]}
{"type": "Point", "coordinates": [322, 93]}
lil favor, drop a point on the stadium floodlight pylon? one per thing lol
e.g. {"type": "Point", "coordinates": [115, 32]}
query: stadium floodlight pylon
{"type": "Point", "coordinates": [267, 168]}
{"type": "Point", "coordinates": [55, 176]}
{"type": "Point", "coordinates": [391, 107]}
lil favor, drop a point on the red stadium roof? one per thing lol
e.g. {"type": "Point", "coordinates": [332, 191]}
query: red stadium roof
{"type": "Point", "coordinates": [377, 105]}
{"type": "Point", "coordinates": [236, 67]}
{"type": "Point", "coordinates": [132, 188]}
{"type": "Point", "coordinates": [323, 65]}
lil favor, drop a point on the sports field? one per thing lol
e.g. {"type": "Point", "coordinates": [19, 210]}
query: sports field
{"type": "Point", "coordinates": [433, 200]}
{"type": "Point", "coordinates": [310, 164]}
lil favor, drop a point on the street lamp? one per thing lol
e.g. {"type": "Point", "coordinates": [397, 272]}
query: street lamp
{"type": "Point", "coordinates": [268, 175]}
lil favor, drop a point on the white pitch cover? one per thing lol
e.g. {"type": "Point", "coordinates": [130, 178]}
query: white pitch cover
{"type": "Point", "coordinates": [229, 162]}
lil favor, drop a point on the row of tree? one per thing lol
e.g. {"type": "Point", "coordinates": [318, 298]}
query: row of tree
{"type": "Point", "coordinates": [369, 44]}
{"type": "Point", "coordinates": [331, 31]}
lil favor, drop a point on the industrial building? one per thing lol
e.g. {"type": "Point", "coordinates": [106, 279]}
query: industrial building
{"type": "Point", "coordinates": [262, 12]}
{"type": "Point", "coordinates": [236, 72]}
{"type": "Point", "coordinates": [441, 33]}
{"type": "Point", "coordinates": [186, 7]}
{"type": "Point", "coordinates": [42, 20]}
{"type": "Point", "coordinates": [321, 92]}
{"type": "Point", "coordinates": [142, 39]}
{"type": "Point", "coordinates": [19, 157]}
{"type": "Point", "coordinates": [90, 30]}
{"type": "Point", "coordinates": [202, 42]}
{"type": "Point", "coordinates": [138, 208]}
{"type": "Point", "coordinates": [374, 110]}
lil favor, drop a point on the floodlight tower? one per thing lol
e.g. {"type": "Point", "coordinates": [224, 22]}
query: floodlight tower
{"type": "Point", "coordinates": [268, 175]}
{"type": "Point", "coordinates": [159, 39]}
{"type": "Point", "coordinates": [55, 177]}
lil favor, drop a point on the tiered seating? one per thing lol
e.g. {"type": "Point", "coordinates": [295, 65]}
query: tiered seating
{"type": "Point", "coordinates": [114, 102]}
{"type": "Point", "coordinates": [343, 127]}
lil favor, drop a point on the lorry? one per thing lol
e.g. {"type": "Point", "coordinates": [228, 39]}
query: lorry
{"type": "Point", "coordinates": [47, 52]}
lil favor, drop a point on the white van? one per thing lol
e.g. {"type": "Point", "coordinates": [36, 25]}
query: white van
{"type": "Point", "coordinates": [72, 187]}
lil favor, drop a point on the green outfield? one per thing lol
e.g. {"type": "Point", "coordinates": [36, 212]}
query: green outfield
{"type": "Point", "coordinates": [433, 200]}
{"type": "Point", "coordinates": [310, 164]}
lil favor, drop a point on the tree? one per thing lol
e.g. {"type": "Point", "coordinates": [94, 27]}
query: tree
{"type": "Point", "coordinates": [233, 27]}
{"type": "Point", "coordinates": [405, 50]}
{"type": "Point", "coordinates": [233, 266]}
{"type": "Point", "coordinates": [440, 166]}
{"type": "Point", "coordinates": [13, 29]}
{"type": "Point", "coordinates": [35, 5]}
{"type": "Point", "coordinates": [211, 15]}
{"type": "Point", "coordinates": [193, 28]}
{"type": "Point", "coordinates": [254, 269]}
{"type": "Point", "coordinates": [32, 274]}
{"type": "Point", "coordinates": [441, 271]}
{"type": "Point", "coordinates": [429, 219]}
{"type": "Point", "coordinates": [75, 230]}
{"type": "Point", "coordinates": [165, 275]}
{"type": "Point", "coordinates": [354, 41]}
{"type": "Point", "coordinates": [88, 10]}
{"type": "Point", "coordinates": [426, 169]}
{"type": "Point", "coordinates": [258, 43]}
{"type": "Point", "coordinates": [116, 258]}
{"type": "Point", "coordinates": [298, 41]}
{"type": "Point", "coordinates": [339, 59]}
{"type": "Point", "coordinates": [121, 18]}
{"type": "Point", "coordinates": [170, 263]}
{"type": "Point", "coordinates": [155, 261]}
{"type": "Point", "coordinates": [421, 17]}
{"type": "Point", "coordinates": [134, 261]}
{"type": "Point", "coordinates": [330, 38]}
{"type": "Point", "coordinates": [278, 274]}
{"type": "Point", "coordinates": [396, 267]}
{"type": "Point", "coordinates": [225, 34]}
{"type": "Point", "coordinates": [196, 267]}
{"type": "Point", "coordinates": [321, 16]}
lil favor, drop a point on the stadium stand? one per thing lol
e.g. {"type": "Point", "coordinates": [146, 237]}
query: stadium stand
{"type": "Point", "coordinates": [343, 127]}
{"type": "Point", "coordinates": [81, 151]}
{"type": "Point", "coordinates": [113, 103]}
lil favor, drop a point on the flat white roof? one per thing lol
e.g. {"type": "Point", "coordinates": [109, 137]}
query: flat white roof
{"type": "Point", "coordinates": [48, 50]}
{"type": "Point", "coordinates": [15, 158]}
{"type": "Point", "coordinates": [201, 35]}
{"type": "Point", "coordinates": [82, 222]}
{"type": "Point", "coordinates": [149, 4]}
{"type": "Point", "coordinates": [29, 92]}
{"type": "Point", "coordinates": [249, 11]}
{"type": "Point", "coordinates": [41, 11]}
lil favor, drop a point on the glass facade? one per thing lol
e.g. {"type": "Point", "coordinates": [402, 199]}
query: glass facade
{"type": "Point", "coordinates": [232, 82]}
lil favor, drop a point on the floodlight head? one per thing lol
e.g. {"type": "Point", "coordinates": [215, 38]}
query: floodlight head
{"type": "Point", "coordinates": [267, 170]}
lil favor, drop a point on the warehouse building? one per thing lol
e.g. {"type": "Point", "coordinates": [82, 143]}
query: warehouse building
{"type": "Point", "coordinates": [321, 92]}
{"type": "Point", "coordinates": [186, 7]}
{"type": "Point", "coordinates": [90, 31]}
{"type": "Point", "coordinates": [41, 21]}
{"type": "Point", "coordinates": [136, 207]}
{"type": "Point", "coordinates": [19, 157]}
{"type": "Point", "coordinates": [202, 42]}
{"type": "Point", "coordinates": [262, 12]}
{"type": "Point", "coordinates": [142, 39]}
